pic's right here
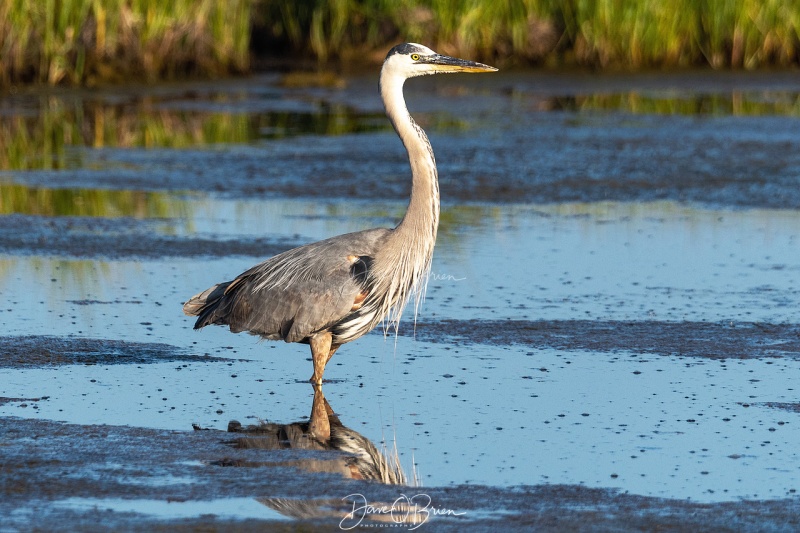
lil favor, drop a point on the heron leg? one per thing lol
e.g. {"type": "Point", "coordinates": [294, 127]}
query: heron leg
{"type": "Point", "coordinates": [330, 354]}
{"type": "Point", "coordinates": [320, 426]}
{"type": "Point", "coordinates": [320, 354]}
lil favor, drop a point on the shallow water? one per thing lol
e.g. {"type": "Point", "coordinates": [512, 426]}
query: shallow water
{"type": "Point", "coordinates": [504, 414]}
{"type": "Point", "coordinates": [573, 206]}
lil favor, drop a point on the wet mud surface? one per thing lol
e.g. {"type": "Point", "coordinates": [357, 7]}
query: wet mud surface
{"type": "Point", "coordinates": [115, 238]}
{"type": "Point", "coordinates": [609, 340]}
{"type": "Point", "coordinates": [41, 351]}
{"type": "Point", "coordinates": [733, 340]}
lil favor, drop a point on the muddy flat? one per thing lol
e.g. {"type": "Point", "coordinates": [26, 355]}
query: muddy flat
{"type": "Point", "coordinates": [732, 340]}
{"type": "Point", "coordinates": [66, 477]}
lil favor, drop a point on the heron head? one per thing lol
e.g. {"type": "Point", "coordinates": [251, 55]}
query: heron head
{"type": "Point", "coordinates": [411, 59]}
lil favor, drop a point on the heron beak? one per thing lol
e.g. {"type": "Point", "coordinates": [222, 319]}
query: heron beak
{"type": "Point", "coordinates": [452, 64]}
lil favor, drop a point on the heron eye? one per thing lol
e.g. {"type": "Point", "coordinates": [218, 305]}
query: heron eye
{"type": "Point", "coordinates": [415, 57]}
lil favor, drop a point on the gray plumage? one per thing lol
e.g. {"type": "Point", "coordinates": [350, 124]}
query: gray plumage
{"type": "Point", "coordinates": [336, 290]}
{"type": "Point", "coordinates": [295, 294]}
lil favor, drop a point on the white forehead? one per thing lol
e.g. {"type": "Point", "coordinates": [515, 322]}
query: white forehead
{"type": "Point", "coordinates": [421, 49]}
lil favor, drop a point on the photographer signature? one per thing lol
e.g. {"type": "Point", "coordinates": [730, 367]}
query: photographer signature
{"type": "Point", "coordinates": [413, 511]}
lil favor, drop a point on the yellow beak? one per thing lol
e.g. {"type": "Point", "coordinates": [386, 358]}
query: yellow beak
{"type": "Point", "coordinates": [453, 64]}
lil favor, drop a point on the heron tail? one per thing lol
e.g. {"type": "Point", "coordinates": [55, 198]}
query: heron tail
{"type": "Point", "coordinates": [203, 305]}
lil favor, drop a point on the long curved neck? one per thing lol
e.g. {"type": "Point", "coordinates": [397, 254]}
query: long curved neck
{"type": "Point", "coordinates": [422, 217]}
{"type": "Point", "coordinates": [401, 268]}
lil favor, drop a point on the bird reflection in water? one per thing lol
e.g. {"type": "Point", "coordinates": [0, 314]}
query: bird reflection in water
{"type": "Point", "coordinates": [359, 458]}
{"type": "Point", "coordinates": [355, 457]}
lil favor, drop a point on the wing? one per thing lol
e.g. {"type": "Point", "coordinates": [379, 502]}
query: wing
{"type": "Point", "coordinates": [295, 294]}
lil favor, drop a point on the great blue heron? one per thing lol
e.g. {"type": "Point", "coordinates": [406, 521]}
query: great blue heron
{"type": "Point", "coordinates": [334, 291]}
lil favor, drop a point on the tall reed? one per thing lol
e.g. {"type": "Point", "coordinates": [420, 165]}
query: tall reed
{"type": "Point", "coordinates": [86, 41]}
{"type": "Point", "coordinates": [721, 33]}
{"type": "Point", "coordinates": [598, 33]}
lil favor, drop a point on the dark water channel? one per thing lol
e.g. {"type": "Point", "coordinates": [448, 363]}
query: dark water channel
{"type": "Point", "coordinates": [612, 321]}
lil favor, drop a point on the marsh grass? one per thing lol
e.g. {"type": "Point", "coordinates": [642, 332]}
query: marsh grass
{"type": "Point", "coordinates": [90, 41]}
{"type": "Point", "coordinates": [596, 33]}
{"type": "Point", "coordinates": [94, 41]}
{"type": "Point", "coordinates": [721, 33]}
